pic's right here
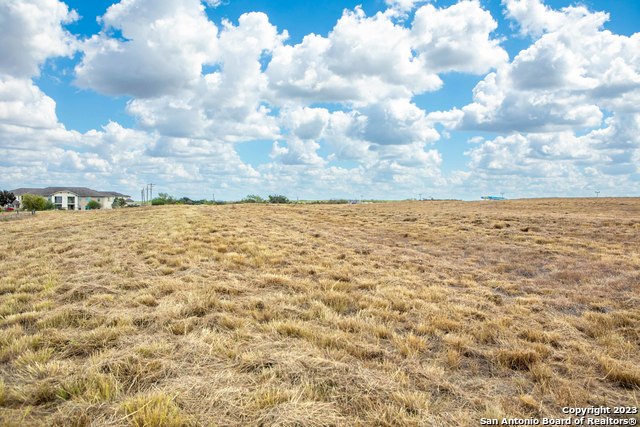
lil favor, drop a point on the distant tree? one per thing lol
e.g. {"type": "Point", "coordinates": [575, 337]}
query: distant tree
{"type": "Point", "coordinates": [33, 202]}
{"type": "Point", "coordinates": [49, 206]}
{"type": "Point", "coordinates": [169, 200]}
{"type": "Point", "coordinates": [185, 201]}
{"type": "Point", "coordinates": [94, 204]}
{"type": "Point", "coordinates": [118, 202]}
{"type": "Point", "coordinates": [276, 198]}
{"type": "Point", "coordinates": [163, 199]}
{"type": "Point", "coordinates": [6, 198]}
{"type": "Point", "coordinates": [252, 198]}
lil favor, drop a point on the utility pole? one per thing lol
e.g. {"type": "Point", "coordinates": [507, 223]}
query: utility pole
{"type": "Point", "coordinates": [151, 186]}
{"type": "Point", "coordinates": [502, 194]}
{"type": "Point", "coordinates": [597, 193]}
{"type": "Point", "coordinates": [420, 196]}
{"type": "Point", "coordinates": [142, 196]}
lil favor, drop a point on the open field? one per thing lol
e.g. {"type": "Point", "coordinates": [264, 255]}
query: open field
{"type": "Point", "coordinates": [416, 313]}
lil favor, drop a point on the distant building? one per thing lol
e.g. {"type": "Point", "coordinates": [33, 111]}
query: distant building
{"type": "Point", "coordinates": [71, 198]}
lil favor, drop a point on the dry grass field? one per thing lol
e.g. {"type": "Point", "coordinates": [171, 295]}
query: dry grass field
{"type": "Point", "coordinates": [416, 313]}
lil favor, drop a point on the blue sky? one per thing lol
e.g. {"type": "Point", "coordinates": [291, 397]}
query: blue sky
{"type": "Point", "coordinates": [382, 98]}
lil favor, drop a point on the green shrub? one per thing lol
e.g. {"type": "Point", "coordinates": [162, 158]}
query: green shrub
{"type": "Point", "coordinates": [118, 202]}
{"type": "Point", "coordinates": [252, 198]}
{"type": "Point", "coordinates": [33, 202]}
{"type": "Point", "coordinates": [168, 199]}
{"type": "Point", "coordinates": [185, 201]}
{"type": "Point", "coordinates": [163, 199]}
{"type": "Point", "coordinates": [94, 204]}
{"type": "Point", "coordinates": [278, 199]}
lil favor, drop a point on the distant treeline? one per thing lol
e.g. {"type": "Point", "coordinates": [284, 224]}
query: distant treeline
{"type": "Point", "coordinates": [166, 199]}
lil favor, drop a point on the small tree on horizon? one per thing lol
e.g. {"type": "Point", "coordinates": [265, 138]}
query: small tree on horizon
{"type": "Point", "coordinates": [119, 202]}
{"type": "Point", "coordinates": [6, 198]}
{"type": "Point", "coordinates": [169, 200]}
{"type": "Point", "coordinates": [277, 198]}
{"type": "Point", "coordinates": [33, 202]}
{"type": "Point", "coordinates": [252, 198]}
{"type": "Point", "coordinates": [163, 199]}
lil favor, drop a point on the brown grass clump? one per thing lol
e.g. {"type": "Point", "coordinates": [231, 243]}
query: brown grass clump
{"type": "Point", "coordinates": [519, 359]}
{"type": "Point", "coordinates": [625, 374]}
{"type": "Point", "coordinates": [413, 313]}
{"type": "Point", "coordinates": [158, 410]}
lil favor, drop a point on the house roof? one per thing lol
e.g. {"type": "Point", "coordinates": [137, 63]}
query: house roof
{"type": "Point", "coordinates": [79, 191]}
{"type": "Point", "coordinates": [116, 194]}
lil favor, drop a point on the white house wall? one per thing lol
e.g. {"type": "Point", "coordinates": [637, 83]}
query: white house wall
{"type": "Point", "coordinates": [81, 201]}
{"type": "Point", "coordinates": [106, 202]}
{"type": "Point", "coordinates": [65, 199]}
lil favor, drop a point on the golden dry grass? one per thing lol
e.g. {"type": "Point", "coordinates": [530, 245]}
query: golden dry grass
{"type": "Point", "coordinates": [417, 313]}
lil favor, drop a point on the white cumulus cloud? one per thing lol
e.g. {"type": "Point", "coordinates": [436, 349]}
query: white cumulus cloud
{"type": "Point", "coordinates": [33, 31]}
{"type": "Point", "coordinates": [339, 110]}
{"type": "Point", "coordinates": [148, 48]}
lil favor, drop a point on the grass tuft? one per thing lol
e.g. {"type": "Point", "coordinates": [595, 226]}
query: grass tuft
{"type": "Point", "coordinates": [621, 373]}
{"type": "Point", "coordinates": [154, 410]}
